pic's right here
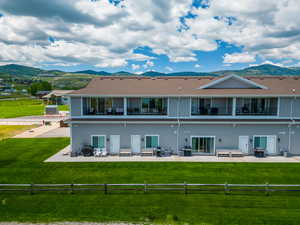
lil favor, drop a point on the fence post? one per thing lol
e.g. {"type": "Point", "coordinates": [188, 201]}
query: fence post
{"type": "Point", "coordinates": [145, 187]}
{"type": "Point", "coordinates": [185, 187]}
{"type": "Point", "coordinates": [72, 188]}
{"type": "Point", "coordinates": [267, 189]}
{"type": "Point", "coordinates": [31, 189]}
{"type": "Point", "coordinates": [105, 189]}
{"type": "Point", "coordinates": [226, 188]}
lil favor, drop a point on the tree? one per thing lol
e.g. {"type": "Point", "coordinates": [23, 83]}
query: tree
{"type": "Point", "coordinates": [39, 86]}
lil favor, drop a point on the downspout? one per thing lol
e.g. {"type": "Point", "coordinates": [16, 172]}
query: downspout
{"type": "Point", "coordinates": [292, 120]}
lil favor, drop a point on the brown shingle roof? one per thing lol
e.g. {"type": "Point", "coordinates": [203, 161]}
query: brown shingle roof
{"type": "Point", "coordinates": [184, 86]}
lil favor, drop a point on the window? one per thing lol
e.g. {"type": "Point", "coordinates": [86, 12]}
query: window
{"type": "Point", "coordinates": [98, 141]}
{"type": "Point", "coordinates": [151, 141]}
{"type": "Point", "coordinates": [260, 142]}
{"type": "Point", "coordinates": [203, 144]}
{"type": "Point", "coordinates": [211, 106]}
{"type": "Point", "coordinates": [103, 106]}
{"type": "Point", "coordinates": [147, 106]}
{"type": "Point", "coordinates": [256, 106]}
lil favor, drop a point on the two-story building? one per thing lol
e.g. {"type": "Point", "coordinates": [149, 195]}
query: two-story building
{"type": "Point", "coordinates": [206, 113]}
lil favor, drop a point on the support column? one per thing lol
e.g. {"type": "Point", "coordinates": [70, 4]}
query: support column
{"type": "Point", "coordinates": [234, 107]}
{"type": "Point", "coordinates": [125, 106]}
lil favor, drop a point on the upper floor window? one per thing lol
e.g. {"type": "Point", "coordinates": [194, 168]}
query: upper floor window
{"type": "Point", "coordinates": [103, 106]}
{"type": "Point", "coordinates": [256, 106]}
{"type": "Point", "coordinates": [147, 106]}
{"type": "Point", "coordinates": [211, 106]}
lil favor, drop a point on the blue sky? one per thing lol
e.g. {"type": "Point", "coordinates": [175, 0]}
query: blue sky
{"type": "Point", "coordinates": [170, 36]}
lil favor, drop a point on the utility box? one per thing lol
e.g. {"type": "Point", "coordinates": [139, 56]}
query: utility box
{"type": "Point", "coordinates": [51, 110]}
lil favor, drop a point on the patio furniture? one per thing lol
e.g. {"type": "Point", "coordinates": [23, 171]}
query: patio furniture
{"type": "Point", "coordinates": [100, 152]}
{"type": "Point", "coordinates": [187, 152]}
{"type": "Point", "coordinates": [259, 153]}
{"type": "Point", "coordinates": [125, 152]}
{"type": "Point", "coordinates": [147, 152]}
{"type": "Point", "coordinates": [87, 150]}
{"type": "Point", "coordinates": [229, 153]}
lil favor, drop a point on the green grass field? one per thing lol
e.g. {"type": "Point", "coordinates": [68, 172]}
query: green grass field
{"type": "Point", "coordinates": [24, 107]}
{"type": "Point", "coordinates": [21, 161]}
{"type": "Point", "coordinates": [17, 108]}
{"type": "Point", "coordinates": [7, 131]}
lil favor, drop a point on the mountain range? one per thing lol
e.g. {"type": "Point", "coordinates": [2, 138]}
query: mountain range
{"type": "Point", "coordinates": [265, 69]}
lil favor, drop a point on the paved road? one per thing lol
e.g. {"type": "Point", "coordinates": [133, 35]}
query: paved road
{"type": "Point", "coordinates": [58, 132]}
{"type": "Point", "coordinates": [29, 120]}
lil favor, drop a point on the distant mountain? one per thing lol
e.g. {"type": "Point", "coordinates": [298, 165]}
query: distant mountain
{"type": "Point", "coordinates": [93, 72]}
{"type": "Point", "coordinates": [263, 70]}
{"type": "Point", "coordinates": [191, 74]}
{"type": "Point", "coordinates": [19, 70]}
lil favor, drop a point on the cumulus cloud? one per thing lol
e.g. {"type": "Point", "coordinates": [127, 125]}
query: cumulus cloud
{"type": "Point", "coordinates": [135, 66]}
{"type": "Point", "coordinates": [105, 34]}
{"type": "Point", "coordinates": [197, 65]}
{"type": "Point", "coordinates": [239, 58]}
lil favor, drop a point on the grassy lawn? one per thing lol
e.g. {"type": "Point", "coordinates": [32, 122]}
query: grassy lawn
{"type": "Point", "coordinates": [17, 108]}
{"type": "Point", "coordinates": [7, 131]}
{"type": "Point", "coordinates": [24, 107]}
{"type": "Point", "coordinates": [21, 162]}
{"type": "Point", "coordinates": [63, 108]}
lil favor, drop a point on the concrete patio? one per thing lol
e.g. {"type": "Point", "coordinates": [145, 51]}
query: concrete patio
{"type": "Point", "coordinates": [64, 156]}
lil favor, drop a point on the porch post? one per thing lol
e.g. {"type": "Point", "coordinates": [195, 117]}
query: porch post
{"type": "Point", "coordinates": [125, 106]}
{"type": "Point", "coordinates": [234, 107]}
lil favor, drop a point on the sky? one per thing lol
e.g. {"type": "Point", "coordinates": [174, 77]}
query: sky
{"type": "Point", "coordinates": [143, 35]}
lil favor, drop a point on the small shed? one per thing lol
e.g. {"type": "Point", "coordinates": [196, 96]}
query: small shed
{"type": "Point", "coordinates": [51, 110]}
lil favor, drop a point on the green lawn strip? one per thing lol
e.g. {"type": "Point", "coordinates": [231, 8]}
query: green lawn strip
{"type": "Point", "coordinates": [17, 108]}
{"type": "Point", "coordinates": [21, 161]}
{"type": "Point", "coordinates": [63, 108]}
{"type": "Point", "coordinates": [7, 131]}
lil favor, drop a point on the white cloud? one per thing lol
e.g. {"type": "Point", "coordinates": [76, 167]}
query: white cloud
{"type": "Point", "coordinates": [135, 66]}
{"type": "Point", "coordinates": [148, 64]}
{"type": "Point", "coordinates": [239, 58]}
{"type": "Point", "coordinates": [197, 66]}
{"type": "Point", "coordinates": [101, 34]}
{"type": "Point", "coordinates": [168, 68]}
{"type": "Point", "coordinates": [268, 62]}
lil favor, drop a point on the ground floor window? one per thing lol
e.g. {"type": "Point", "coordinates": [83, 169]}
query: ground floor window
{"type": "Point", "coordinates": [98, 141]}
{"type": "Point", "coordinates": [260, 142]}
{"type": "Point", "coordinates": [203, 144]}
{"type": "Point", "coordinates": [151, 141]}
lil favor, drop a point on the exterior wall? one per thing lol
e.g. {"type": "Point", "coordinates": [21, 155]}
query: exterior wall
{"type": "Point", "coordinates": [226, 136]}
{"type": "Point", "coordinates": [75, 106]}
{"type": "Point", "coordinates": [184, 107]}
{"type": "Point", "coordinates": [285, 107]}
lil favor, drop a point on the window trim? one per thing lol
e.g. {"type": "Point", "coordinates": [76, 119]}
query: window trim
{"type": "Point", "coordinates": [99, 135]}
{"type": "Point", "coordinates": [203, 136]}
{"type": "Point", "coordinates": [150, 135]}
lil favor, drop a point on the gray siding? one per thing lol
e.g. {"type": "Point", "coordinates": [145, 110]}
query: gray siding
{"type": "Point", "coordinates": [184, 107]}
{"type": "Point", "coordinates": [285, 107]}
{"type": "Point", "coordinates": [75, 106]}
{"type": "Point", "coordinates": [226, 136]}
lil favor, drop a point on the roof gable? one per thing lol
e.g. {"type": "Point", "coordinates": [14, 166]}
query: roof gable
{"type": "Point", "coordinates": [232, 82]}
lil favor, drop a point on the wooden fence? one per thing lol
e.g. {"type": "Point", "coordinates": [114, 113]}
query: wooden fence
{"type": "Point", "coordinates": [180, 187]}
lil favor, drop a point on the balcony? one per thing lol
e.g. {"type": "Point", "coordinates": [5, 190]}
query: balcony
{"type": "Point", "coordinates": [147, 106]}
{"type": "Point", "coordinates": [103, 106]}
{"type": "Point", "coordinates": [256, 106]}
{"type": "Point", "coordinates": [211, 106]}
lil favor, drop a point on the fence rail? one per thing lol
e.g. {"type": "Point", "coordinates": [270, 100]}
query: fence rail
{"type": "Point", "coordinates": [182, 187]}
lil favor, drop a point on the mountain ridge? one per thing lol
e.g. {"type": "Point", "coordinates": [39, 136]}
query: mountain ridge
{"type": "Point", "coordinates": [260, 70]}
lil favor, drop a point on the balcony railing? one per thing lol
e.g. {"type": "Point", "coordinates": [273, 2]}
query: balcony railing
{"type": "Point", "coordinates": [245, 111]}
{"type": "Point", "coordinates": [110, 111]}
{"type": "Point", "coordinates": [212, 111]}
{"type": "Point", "coordinates": [154, 111]}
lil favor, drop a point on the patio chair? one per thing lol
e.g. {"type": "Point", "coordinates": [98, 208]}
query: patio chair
{"type": "Point", "coordinates": [100, 152]}
{"type": "Point", "coordinates": [125, 152]}
{"type": "Point", "coordinates": [147, 152]}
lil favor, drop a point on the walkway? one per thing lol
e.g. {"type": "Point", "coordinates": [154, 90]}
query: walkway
{"type": "Point", "coordinates": [64, 156]}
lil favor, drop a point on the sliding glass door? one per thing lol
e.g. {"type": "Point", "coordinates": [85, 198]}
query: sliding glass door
{"type": "Point", "coordinates": [203, 144]}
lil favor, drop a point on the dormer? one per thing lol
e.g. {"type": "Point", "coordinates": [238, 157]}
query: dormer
{"type": "Point", "coordinates": [232, 82]}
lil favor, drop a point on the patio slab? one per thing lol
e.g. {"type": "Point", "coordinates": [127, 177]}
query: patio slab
{"type": "Point", "coordinates": [64, 156]}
